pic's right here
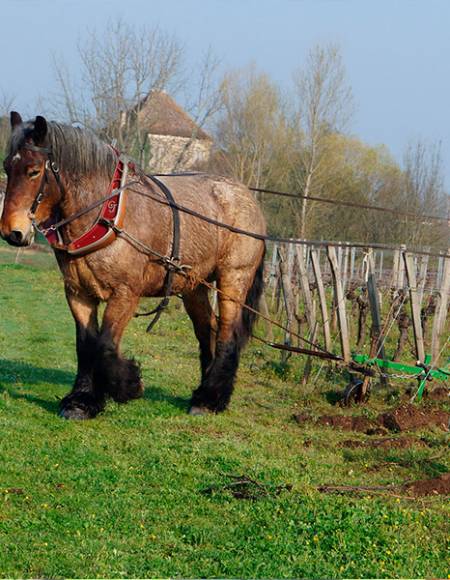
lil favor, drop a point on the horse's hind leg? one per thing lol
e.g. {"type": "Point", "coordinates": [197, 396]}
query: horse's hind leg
{"type": "Point", "coordinates": [85, 400]}
{"type": "Point", "coordinates": [205, 326]}
{"type": "Point", "coordinates": [235, 326]}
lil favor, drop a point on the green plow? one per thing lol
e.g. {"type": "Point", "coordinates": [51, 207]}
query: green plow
{"type": "Point", "coordinates": [422, 372]}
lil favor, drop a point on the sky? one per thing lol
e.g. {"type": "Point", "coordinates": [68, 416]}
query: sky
{"type": "Point", "coordinates": [396, 52]}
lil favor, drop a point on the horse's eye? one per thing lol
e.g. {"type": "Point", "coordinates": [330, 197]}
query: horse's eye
{"type": "Point", "coordinates": [34, 173]}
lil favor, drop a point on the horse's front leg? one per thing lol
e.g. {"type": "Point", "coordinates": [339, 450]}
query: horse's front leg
{"type": "Point", "coordinates": [85, 400]}
{"type": "Point", "coordinates": [119, 377]}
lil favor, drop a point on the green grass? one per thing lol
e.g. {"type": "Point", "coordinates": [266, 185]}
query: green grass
{"type": "Point", "coordinates": [124, 495]}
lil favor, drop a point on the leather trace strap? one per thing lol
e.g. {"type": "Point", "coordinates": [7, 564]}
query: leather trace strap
{"type": "Point", "coordinates": [174, 260]}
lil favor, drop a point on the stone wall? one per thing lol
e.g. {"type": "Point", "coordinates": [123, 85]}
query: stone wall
{"type": "Point", "coordinates": [165, 151]}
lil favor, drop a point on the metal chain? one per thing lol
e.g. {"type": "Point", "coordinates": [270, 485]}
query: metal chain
{"type": "Point", "coordinates": [400, 376]}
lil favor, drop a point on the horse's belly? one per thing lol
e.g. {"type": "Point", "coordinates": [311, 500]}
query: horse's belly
{"type": "Point", "coordinates": [155, 277]}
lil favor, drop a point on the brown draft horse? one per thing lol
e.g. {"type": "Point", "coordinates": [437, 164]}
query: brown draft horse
{"type": "Point", "coordinates": [66, 169]}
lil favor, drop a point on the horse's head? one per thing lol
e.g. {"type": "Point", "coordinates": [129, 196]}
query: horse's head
{"type": "Point", "coordinates": [31, 190]}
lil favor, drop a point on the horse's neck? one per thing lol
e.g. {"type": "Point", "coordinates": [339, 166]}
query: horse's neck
{"type": "Point", "coordinates": [79, 193]}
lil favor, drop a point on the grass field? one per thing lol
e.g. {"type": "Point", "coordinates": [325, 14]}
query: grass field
{"type": "Point", "coordinates": [125, 495]}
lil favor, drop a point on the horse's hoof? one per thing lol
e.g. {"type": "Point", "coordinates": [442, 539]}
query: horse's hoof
{"type": "Point", "coordinates": [139, 393]}
{"type": "Point", "coordinates": [196, 411]}
{"type": "Point", "coordinates": [75, 414]}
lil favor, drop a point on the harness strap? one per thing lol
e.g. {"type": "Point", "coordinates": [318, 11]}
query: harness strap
{"type": "Point", "coordinates": [174, 255]}
{"type": "Point", "coordinates": [108, 224]}
{"type": "Point", "coordinates": [112, 209]}
{"type": "Point", "coordinates": [49, 164]}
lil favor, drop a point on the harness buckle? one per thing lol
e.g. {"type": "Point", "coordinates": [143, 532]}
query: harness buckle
{"type": "Point", "coordinates": [33, 208]}
{"type": "Point", "coordinates": [49, 164]}
{"type": "Point", "coordinates": [175, 265]}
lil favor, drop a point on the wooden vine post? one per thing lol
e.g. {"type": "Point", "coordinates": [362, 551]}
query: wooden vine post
{"type": "Point", "coordinates": [315, 260]}
{"type": "Point", "coordinates": [345, 270]}
{"type": "Point", "coordinates": [377, 340]}
{"type": "Point", "coordinates": [340, 303]}
{"type": "Point", "coordinates": [423, 275]}
{"type": "Point", "coordinates": [289, 302]}
{"type": "Point", "coordinates": [401, 269]}
{"type": "Point", "coordinates": [441, 312]}
{"type": "Point", "coordinates": [374, 304]}
{"type": "Point", "coordinates": [309, 305]}
{"type": "Point", "coordinates": [394, 275]}
{"type": "Point", "coordinates": [410, 270]}
{"type": "Point", "coordinates": [352, 262]}
{"type": "Point", "coordinates": [304, 284]}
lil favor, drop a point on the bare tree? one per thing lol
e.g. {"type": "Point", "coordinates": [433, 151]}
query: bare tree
{"type": "Point", "coordinates": [204, 101]}
{"type": "Point", "coordinates": [120, 67]}
{"type": "Point", "coordinates": [123, 69]}
{"type": "Point", "coordinates": [424, 193]}
{"type": "Point", "coordinates": [324, 106]}
{"type": "Point", "coordinates": [252, 131]}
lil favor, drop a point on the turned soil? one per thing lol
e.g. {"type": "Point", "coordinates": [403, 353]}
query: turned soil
{"type": "Point", "coordinates": [436, 486]}
{"type": "Point", "coordinates": [406, 417]}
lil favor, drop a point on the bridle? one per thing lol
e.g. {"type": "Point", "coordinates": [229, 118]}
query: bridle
{"type": "Point", "coordinates": [49, 165]}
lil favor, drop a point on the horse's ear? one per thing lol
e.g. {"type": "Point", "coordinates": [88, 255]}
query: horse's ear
{"type": "Point", "coordinates": [15, 119]}
{"type": "Point", "coordinates": [39, 130]}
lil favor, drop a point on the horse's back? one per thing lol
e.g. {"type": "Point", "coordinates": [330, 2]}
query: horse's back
{"type": "Point", "coordinates": [223, 200]}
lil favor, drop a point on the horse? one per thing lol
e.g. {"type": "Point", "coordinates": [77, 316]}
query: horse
{"type": "Point", "coordinates": [58, 176]}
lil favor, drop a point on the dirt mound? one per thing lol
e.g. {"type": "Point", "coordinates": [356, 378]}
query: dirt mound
{"type": "Point", "coordinates": [359, 424]}
{"type": "Point", "coordinates": [303, 418]}
{"type": "Point", "coordinates": [438, 394]}
{"type": "Point", "coordinates": [386, 443]}
{"type": "Point", "coordinates": [408, 417]}
{"type": "Point", "coordinates": [346, 423]}
{"type": "Point", "coordinates": [436, 486]}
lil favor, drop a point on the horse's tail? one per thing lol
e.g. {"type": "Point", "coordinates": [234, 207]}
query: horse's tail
{"type": "Point", "coordinates": [252, 299]}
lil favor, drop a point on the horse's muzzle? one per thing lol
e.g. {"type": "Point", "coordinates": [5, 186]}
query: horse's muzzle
{"type": "Point", "coordinates": [19, 239]}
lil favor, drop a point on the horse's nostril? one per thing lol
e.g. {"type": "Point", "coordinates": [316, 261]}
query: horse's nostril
{"type": "Point", "coordinates": [16, 237]}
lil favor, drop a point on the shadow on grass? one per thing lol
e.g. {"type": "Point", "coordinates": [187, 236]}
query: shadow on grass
{"type": "Point", "coordinates": [333, 397]}
{"type": "Point", "coordinates": [157, 395]}
{"type": "Point", "coordinates": [13, 372]}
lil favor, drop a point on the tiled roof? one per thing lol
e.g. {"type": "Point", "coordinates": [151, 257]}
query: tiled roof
{"type": "Point", "coordinates": [159, 114]}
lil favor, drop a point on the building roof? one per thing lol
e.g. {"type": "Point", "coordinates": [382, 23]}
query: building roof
{"type": "Point", "coordinates": [160, 115]}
